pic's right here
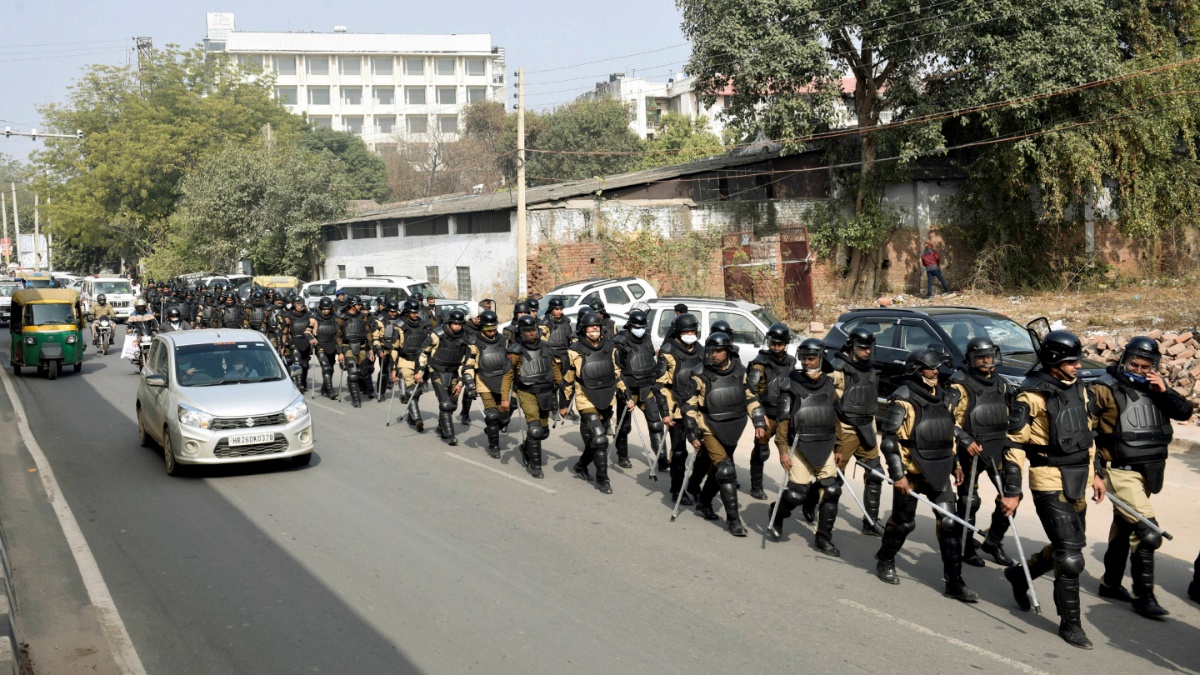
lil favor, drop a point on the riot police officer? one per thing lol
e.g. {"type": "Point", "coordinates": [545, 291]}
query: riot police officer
{"type": "Point", "coordinates": [981, 430]}
{"type": "Point", "coordinates": [520, 309]}
{"type": "Point", "coordinates": [918, 443]}
{"type": "Point", "coordinates": [275, 321]}
{"type": "Point", "coordinates": [388, 331]}
{"type": "Point", "coordinates": [328, 332]}
{"type": "Point", "coordinates": [229, 314]}
{"type": "Point", "coordinates": [258, 313]}
{"type": "Point", "coordinates": [489, 361]}
{"type": "Point", "coordinates": [206, 310]}
{"type": "Point", "coordinates": [637, 361]}
{"type": "Point", "coordinates": [1050, 426]}
{"type": "Point", "coordinates": [536, 377]}
{"type": "Point", "coordinates": [769, 376]}
{"type": "Point", "coordinates": [805, 434]}
{"type": "Point", "coordinates": [593, 381]}
{"type": "Point", "coordinates": [301, 330]}
{"type": "Point", "coordinates": [444, 353]}
{"type": "Point", "coordinates": [610, 326]}
{"type": "Point", "coordinates": [716, 415]}
{"type": "Point", "coordinates": [854, 365]}
{"type": "Point", "coordinates": [558, 334]}
{"type": "Point", "coordinates": [677, 358]}
{"type": "Point", "coordinates": [406, 357]}
{"type": "Point", "coordinates": [354, 352]}
{"type": "Point", "coordinates": [1135, 408]}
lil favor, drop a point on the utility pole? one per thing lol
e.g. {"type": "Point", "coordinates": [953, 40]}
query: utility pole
{"type": "Point", "coordinates": [144, 46]}
{"type": "Point", "coordinates": [16, 227]}
{"type": "Point", "coordinates": [37, 234]}
{"type": "Point", "coordinates": [522, 224]}
{"type": "Point", "coordinates": [4, 214]}
{"type": "Point", "coordinates": [49, 241]}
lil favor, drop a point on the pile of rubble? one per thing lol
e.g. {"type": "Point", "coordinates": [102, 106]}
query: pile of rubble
{"type": "Point", "coordinates": [1180, 365]}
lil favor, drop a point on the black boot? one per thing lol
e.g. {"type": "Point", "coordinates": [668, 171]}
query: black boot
{"type": "Point", "coordinates": [657, 445]}
{"type": "Point", "coordinates": [995, 548]}
{"type": "Point", "coordinates": [730, 500]}
{"type": "Point", "coordinates": [685, 500]}
{"type": "Point", "coordinates": [1020, 588]}
{"type": "Point", "coordinates": [871, 494]}
{"type": "Point", "coordinates": [1115, 555]}
{"type": "Point", "coordinates": [705, 509]}
{"type": "Point", "coordinates": [885, 569]}
{"type": "Point", "coordinates": [600, 460]}
{"type": "Point", "coordinates": [971, 556]}
{"type": "Point", "coordinates": [826, 516]}
{"type": "Point", "coordinates": [581, 471]}
{"type": "Point", "coordinates": [355, 398]}
{"type": "Point", "coordinates": [958, 590]}
{"type": "Point", "coordinates": [756, 471]}
{"type": "Point", "coordinates": [492, 430]}
{"type": "Point", "coordinates": [623, 452]}
{"type": "Point", "coordinates": [446, 426]}
{"type": "Point", "coordinates": [327, 387]}
{"type": "Point", "coordinates": [1142, 570]}
{"type": "Point", "coordinates": [533, 458]}
{"type": "Point", "coordinates": [414, 414]}
{"type": "Point", "coordinates": [792, 496]}
{"type": "Point", "coordinates": [465, 419]}
{"type": "Point", "coordinates": [1066, 598]}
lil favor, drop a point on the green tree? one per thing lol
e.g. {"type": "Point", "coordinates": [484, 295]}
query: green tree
{"type": "Point", "coordinates": [365, 172]}
{"type": "Point", "coordinates": [264, 204]}
{"type": "Point", "coordinates": [786, 62]}
{"type": "Point", "coordinates": [561, 139]}
{"type": "Point", "coordinates": [680, 139]}
{"type": "Point", "coordinates": [143, 132]}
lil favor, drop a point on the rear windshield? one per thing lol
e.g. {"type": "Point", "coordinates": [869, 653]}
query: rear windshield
{"type": "Point", "coordinates": [427, 290]}
{"type": "Point", "coordinates": [112, 287]}
{"type": "Point", "coordinates": [7, 291]}
{"type": "Point", "coordinates": [40, 283]}
{"type": "Point", "coordinates": [226, 364]}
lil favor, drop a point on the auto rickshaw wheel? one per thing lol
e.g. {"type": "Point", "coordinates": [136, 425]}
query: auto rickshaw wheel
{"type": "Point", "coordinates": [16, 370]}
{"type": "Point", "coordinates": [78, 367]}
{"type": "Point", "coordinates": [52, 370]}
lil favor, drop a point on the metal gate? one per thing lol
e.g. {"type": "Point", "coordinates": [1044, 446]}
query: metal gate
{"type": "Point", "coordinates": [752, 268]}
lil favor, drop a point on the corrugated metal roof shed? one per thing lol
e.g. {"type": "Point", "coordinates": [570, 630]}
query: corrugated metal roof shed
{"type": "Point", "coordinates": [357, 43]}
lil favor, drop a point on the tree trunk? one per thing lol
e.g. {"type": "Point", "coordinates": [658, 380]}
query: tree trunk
{"type": "Point", "coordinates": [862, 274]}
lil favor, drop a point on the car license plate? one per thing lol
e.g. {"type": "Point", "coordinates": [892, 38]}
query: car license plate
{"type": "Point", "coordinates": [251, 439]}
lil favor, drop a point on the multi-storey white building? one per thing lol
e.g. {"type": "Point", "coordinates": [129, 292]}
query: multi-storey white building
{"type": "Point", "coordinates": [384, 87]}
{"type": "Point", "coordinates": [649, 100]}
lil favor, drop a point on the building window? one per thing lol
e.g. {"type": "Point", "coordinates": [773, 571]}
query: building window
{"type": "Point", "coordinates": [318, 95]}
{"type": "Point", "coordinates": [341, 271]}
{"type": "Point", "coordinates": [448, 124]}
{"type": "Point", "coordinates": [414, 95]}
{"type": "Point", "coordinates": [464, 282]}
{"type": "Point", "coordinates": [362, 230]}
{"type": "Point", "coordinates": [431, 275]}
{"type": "Point", "coordinates": [384, 95]}
{"type": "Point", "coordinates": [334, 233]}
{"type": "Point", "coordinates": [385, 125]}
{"type": "Point", "coordinates": [391, 228]}
{"type": "Point", "coordinates": [447, 96]}
{"type": "Point", "coordinates": [425, 227]}
{"type": "Point", "coordinates": [321, 122]}
{"type": "Point", "coordinates": [350, 65]}
{"type": "Point", "coordinates": [476, 94]}
{"type": "Point", "coordinates": [443, 66]}
{"type": "Point", "coordinates": [316, 65]}
{"type": "Point", "coordinates": [253, 61]}
{"type": "Point", "coordinates": [483, 222]}
{"type": "Point", "coordinates": [353, 124]}
{"type": "Point", "coordinates": [475, 68]}
{"type": "Point", "coordinates": [285, 65]}
{"type": "Point", "coordinates": [416, 124]}
{"type": "Point", "coordinates": [352, 96]}
{"type": "Point", "coordinates": [414, 66]}
{"type": "Point", "coordinates": [369, 271]}
{"type": "Point", "coordinates": [382, 65]}
{"type": "Point", "coordinates": [286, 95]}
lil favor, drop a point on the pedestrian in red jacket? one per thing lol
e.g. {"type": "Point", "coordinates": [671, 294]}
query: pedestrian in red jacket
{"type": "Point", "coordinates": [933, 268]}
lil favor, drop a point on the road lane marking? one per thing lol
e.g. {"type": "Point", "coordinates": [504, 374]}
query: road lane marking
{"type": "Point", "coordinates": [1023, 667]}
{"type": "Point", "coordinates": [114, 630]}
{"type": "Point", "coordinates": [322, 405]}
{"type": "Point", "coordinates": [498, 472]}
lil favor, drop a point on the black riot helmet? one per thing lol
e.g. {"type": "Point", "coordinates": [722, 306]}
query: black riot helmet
{"type": "Point", "coordinates": [419, 297]}
{"type": "Point", "coordinates": [298, 305]}
{"type": "Point", "coordinates": [173, 315]}
{"type": "Point", "coordinates": [720, 326]}
{"type": "Point", "coordinates": [686, 322]}
{"type": "Point", "coordinates": [208, 298]}
{"type": "Point", "coordinates": [102, 299]}
{"type": "Point", "coordinates": [810, 347]}
{"type": "Point", "coordinates": [979, 348]}
{"type": "Point", "coordinates": [590, 319]}
{"type": "Point", "coordinates": [860, 336]}
{"type": "Point", "coordinates": [488, 320]}
{"type": "Point", "coordinates": [555, 303]}
{"type": "Point", "coordinates": [534, 306]}
{"type": "Point", "coordinates": [527, 328]}
{"type": "Point", "coordinates": [1140, 347]}
{"type": "Point", "coordinates": [637, 319]}
{"type": "Point", "coordinates": [411, 306]}
{"type": "Point", "coordinates": [715, 343]}
{"type": "Point", "coordinates": [325, 305]}
{"type": "Point", "coordinates": [920, 359]}
{"type": "Point", "coordinates": [598, 307]}
{"type": "Point", "coordinates": [521, 308]}
{"type": "Point", "coordinates": [230, 299]}
{"type": "Point", "coordinates": [259, 297]}
{"type": "Point", "coordinates": [457, 316]}
{"type": "Point", "coordinates": [391, 306]}
{"type": "Point", "coordinates": [779, 334]}
{"type": "Point", "coordinates": [1059, 346]}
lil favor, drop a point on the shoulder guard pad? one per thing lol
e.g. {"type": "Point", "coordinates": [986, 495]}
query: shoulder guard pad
{"type": "Point", "coordinates": [836, 361]}
{"type": "Point", "coordinates": [893, 419]}
{"type": "Point", "coordinates": [620, 339]}
{"type": "Point", "coordinates": [754, 375]}
{"type": "Point", "coordinates": [902, 393]}
{"type": "Point", "coordinates": [440, 332]}
{"type": "Point", "coordinates": [514, 349]}
{"type": "Point", "coordinates": [759, 358]}
{"type": "Point", "coordinates": [1033, 384]}
{"type": "Point", "coordinates": [666, 347]}
{"type": "Point", "coordinates": [661, 367]}
{"type": "Point", "coordinates": [953, 396]}
{"type": "Point", "coordinates": [698, 369]}
{"type": "Point", "coordinates": [957, 376]}
{"type": "Point", "coordinates": [472, 338]}
{"type": "Point", "coordinates": [1107, 380]}
{"type": "Point", "coordinates": [1018, 416]}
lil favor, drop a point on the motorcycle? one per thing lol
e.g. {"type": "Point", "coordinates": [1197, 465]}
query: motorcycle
{"type": "Point", "coordinates": [102, 332]}
{"type": "Point", "coordinates": [145, 331]}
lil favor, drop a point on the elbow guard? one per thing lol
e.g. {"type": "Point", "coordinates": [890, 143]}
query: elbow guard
{"type": "Point", "coordinates": [759, 418]}
{"type": "Point", "coordinates": [694, 431]}
{"type": "Point", "coordinates": [1011, 479]}
{"type": "Point", "coordinates": [964, 439]}
{"type": "Point", "coordinates": [1018, 416]}
{"type": "Point", "coordinates": [890, 447]}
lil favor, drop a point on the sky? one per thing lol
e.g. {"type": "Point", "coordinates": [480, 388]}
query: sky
{"type": "Point", "coordinates": [45, 45]}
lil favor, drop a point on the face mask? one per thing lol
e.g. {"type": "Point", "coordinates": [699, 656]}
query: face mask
{"type": "Point", "coordinates": [637, 332]}
{"type": "Point", "coordinates": [688, 339]}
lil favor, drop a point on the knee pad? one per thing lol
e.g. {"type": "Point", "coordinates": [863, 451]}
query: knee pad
{"type": "Point", "coordinates": [904, 527]}
{"type": "Point", "coordinates": [538, 432]}
{"type": "Point", "coordinates": [760, 454]}
{"type": "Point", "coordinates": [794, 495]}
{"type": "Point", "coordinates": [949, 525]}
{"type": "Point", "coordinates": [491, 416]}
{"type": "Point", "coordinates": [351, 366]}
{"type": "Point", "coordinates": [599, 440]}
{"type": "Point", "coordinates": [833, 489]}
{"type": "Point", "coordinates": [447, 404]}
{"type": "Point", "coordinates": [1149, 540]}
{"type": "Point", "coordinates": [1070, 562]}
{"type": "Point", "coordinates": [656, 427]}
{"type": "Point", "coordinates": [725, 472]}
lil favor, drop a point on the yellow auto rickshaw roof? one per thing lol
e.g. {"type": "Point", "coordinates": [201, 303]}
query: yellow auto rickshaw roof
{"type": "Point", "coordinates": [35, 296]}
{"type": "Point", "coordinates": [276, 282]}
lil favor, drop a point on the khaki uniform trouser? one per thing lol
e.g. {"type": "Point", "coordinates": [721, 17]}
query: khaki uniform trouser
{"type": "Point", "coordinates": [1129, 487]}
{"type": "Point", "coordinates": [407, 370]}
{"type": "Point", "coordinates": [849, 444]}
{"type": "Point", "coordinates": [717, 452]}
{"type": "Point", "coordinates": [529, 406]}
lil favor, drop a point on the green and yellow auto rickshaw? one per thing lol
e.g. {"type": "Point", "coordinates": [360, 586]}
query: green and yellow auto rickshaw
{"type": "Point", "coordinates": [47, 330]}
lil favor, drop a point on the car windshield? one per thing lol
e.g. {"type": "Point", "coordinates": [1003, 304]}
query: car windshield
{"type": "Point", "coordinates": [427, 289]}
{"type": "Point", "coordinates": [49, 315]}
{"type": "Point", "coordinates": [226, 363]}
{"type": "Point", "coordinates": [40, 283]}
{"type": "Point", "coordinates": [112, 287]}
{"type": "Point", "coordinates": [1010, 336]}
{"type": "Point", "coordinates": [7, 291]}
{"type": "Point", "coordinates": [568, 300]}
{"type": "Point", "coordinates": [765, 317]}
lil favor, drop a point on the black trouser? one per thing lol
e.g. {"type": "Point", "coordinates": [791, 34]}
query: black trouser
{"type": "Point", "coordinates": [1065, 524]}
{"type": "Point", "coordinates": [301, 355]}
{"type": "Point", "coordinates": [903, 521]}
{"type": "Point", "coordinates": [679, 450]}
{"type": "Point", "coordinates": [443, 388]}
{"type": "Point", "coordinates": [967, 511]}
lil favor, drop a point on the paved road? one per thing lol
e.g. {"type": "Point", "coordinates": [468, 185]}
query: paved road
{"type": "Point", "coordinates": [393, 552]}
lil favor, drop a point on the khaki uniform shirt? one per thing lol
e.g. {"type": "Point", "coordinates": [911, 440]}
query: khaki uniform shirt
{"type": "Point", "coordinates": [1041, 478]}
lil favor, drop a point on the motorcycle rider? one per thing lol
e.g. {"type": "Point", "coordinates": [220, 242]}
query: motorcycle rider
{"type": "Point", "coordinates": [100, 309]}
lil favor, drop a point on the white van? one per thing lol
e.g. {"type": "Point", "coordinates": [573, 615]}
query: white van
{"type": "Point", "coordinates": [117, 291]}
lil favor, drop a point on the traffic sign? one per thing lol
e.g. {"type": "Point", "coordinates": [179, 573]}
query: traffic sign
{"type": "Point", "coordinates": [6, 246]}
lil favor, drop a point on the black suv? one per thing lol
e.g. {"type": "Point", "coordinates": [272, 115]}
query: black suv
{"type": "Point", "coordinates": [899, 332]}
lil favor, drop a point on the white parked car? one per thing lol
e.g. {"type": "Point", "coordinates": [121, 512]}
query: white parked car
{"type": "Point", "coordinates": [748, 321]}
{"type": "Point", "coordinates": [117, 291]}
{"type": "Point", "coordinates": [219, 397]}
{"type": "Point", "coordinates": [618, 295]}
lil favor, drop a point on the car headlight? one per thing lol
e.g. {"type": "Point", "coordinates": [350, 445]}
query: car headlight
{"type": "Point", "coordinates": [296, 410]}
{"type": "Point", "coordinates": [70, 339]}
{"type": "Point", "coordinates": [189, 416]}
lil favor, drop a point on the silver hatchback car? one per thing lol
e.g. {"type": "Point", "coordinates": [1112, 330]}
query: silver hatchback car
{"type": "Point", "coordinates": [220, 397]}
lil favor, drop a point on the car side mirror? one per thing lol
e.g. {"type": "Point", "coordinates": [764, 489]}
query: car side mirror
{"type": "Point", "coordinates": [1038, 329]}
{"type": "Point", "coordinates": [156, 380]}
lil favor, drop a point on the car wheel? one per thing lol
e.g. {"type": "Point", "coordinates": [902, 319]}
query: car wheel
{"type": "Point", "coordinates": [173, 467]}
{"type": "Point", "coordinates": [52, 370]}
{"type": "Point", "coordinates": [144, 439]}
{"type": "Point", "coordinates": [302, 460]}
